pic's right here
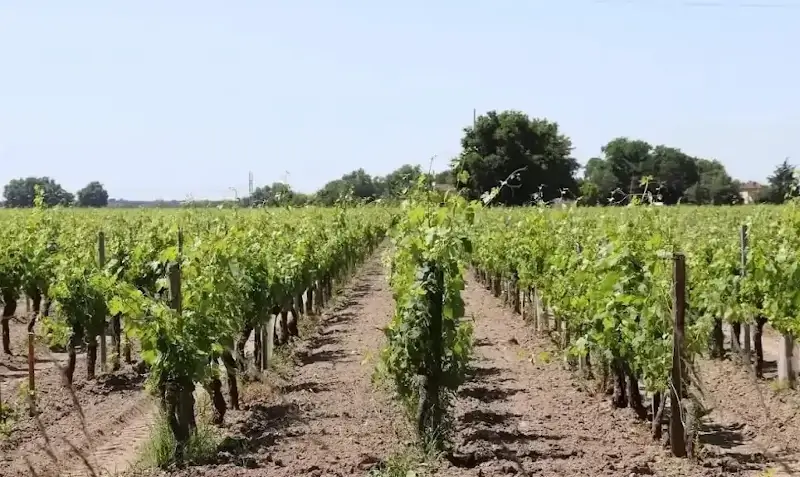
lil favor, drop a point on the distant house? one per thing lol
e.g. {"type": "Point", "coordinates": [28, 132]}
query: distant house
{"type": "Point", "coordinates": [445, 187]}
{"type": "Point", "coordinates": [749, 191]}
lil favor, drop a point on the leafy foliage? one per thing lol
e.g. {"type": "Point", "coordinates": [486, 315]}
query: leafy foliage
{"type": "Point", "coordinates": [783, 184]}
{"type": "Point", "coordinates": [609, 277]}
{"type": "Point", "coordinates": [234, 267]}
{"type": "Point", "coordinates": [501, 144]}
{"type": "Point", "coordinates": [93, 195]}
{"type": "Point", "coordinates": [673, 175]}
{"type": "Point", "coordinates": [429, 343]}
{"type": "Point", "coordinates": [22, 192]}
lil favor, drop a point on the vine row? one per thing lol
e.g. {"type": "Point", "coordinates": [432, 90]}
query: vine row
{"type": "Point", "coordinates": [189, 287]}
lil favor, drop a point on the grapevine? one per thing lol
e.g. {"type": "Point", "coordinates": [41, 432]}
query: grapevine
{"type": "Point", "coordinates": [188, 285]}
{"type": "Point", "coordinates": [428, 343]}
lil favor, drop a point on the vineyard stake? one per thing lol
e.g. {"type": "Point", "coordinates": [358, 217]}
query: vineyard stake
{"type": "Point", "coordinates": [746, 325]}
{"type": "Point", "coordinates": [677, 439]}
{"type": "Point", "coordinates": [31, 376]}
{"type": "Point", "coordinates": [101, 258]}
{"type": "Point", "coordinates": [175, 279]}
{"type": "Point", "coordinates": [267, 348]}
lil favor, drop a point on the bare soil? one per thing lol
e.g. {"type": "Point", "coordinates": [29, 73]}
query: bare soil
{"type": "Point", "coordinates": [327, 418]}
{"type": "Point", "coordinates": [100, 420]}
{"type": "Point", "coordinates": [752, 412]}
{"type": "Point", "coordinates": [524, 413]}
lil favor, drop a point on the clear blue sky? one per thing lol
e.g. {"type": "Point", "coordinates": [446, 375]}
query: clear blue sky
{"type": "Point", "coordinates": [162, 99]}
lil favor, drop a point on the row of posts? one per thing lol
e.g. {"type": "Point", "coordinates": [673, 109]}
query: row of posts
{"type": "Point", "coordinates": [786, 373]}
{"type": "Point", "coordinates": [678, 373]}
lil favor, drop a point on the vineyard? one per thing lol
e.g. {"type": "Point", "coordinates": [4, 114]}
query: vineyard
{"type": "Point", "coordinates": [604, 285]}
{"type": "Point", "coordinates": [188, 288]}
{"type": "Point", "coordinates": [532, 341]}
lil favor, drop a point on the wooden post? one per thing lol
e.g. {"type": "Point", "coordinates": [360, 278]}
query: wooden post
{"type": "Point", "coordinates": [101, 260]}
{"type": "Point", "coordinates": [267, 348]}
{"type": "Point", "coordinates": [310, 300]}
{"type": "Point", "coordinates": [31, 376]}
{"type": "Point", "coordinates": [746, 324]}
{"type": "Point", "coordinates": [541, 315]}
{"type": "Point", "coordinates": [262, 347]}
{"type": "Point", "coordinates": [582, 361]}
{"type": "Point", "coordinates": [786, 375]}
{"type": "Point", "coordinates": [677, 438]}
{"type": "Point", "coordinates": [556, 321]}
{"type": "Point", "coordinates": [176, 301]}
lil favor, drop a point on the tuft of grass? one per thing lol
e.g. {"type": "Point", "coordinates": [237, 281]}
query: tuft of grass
{"type": "Point", "coordinates": [8, 417]}
{"type": "Point", "coordinates": [160, 448]}
{"type": "Point", "coordinates": [410, 462]}
{"type": "Point", "coordinates": [544, 357]}
{"type": "Point", "coordinates": [779, 385]}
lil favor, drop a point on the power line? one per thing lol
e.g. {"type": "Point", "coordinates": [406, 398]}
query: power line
{"type": "Point", "coordinates": [709, 4]}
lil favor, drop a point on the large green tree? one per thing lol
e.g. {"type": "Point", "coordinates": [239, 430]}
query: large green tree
{"type": "Point", "coordinates": [533, 152]}
{"type": "Point", "coordinates": [628, 160]}
{"type": "Point", "coordinates": [782, 184]}
{"type": "Point", "coordinates": [358, 185]}
{"type": "Point", "coordinates": [397, 182]}
{"type": "Point", "coordinates": [631, 167]}
{"type": "Point", "coordinates": [599, 183]}
{"type": "Point", "coordinates": [22, 192]}
{"type": "Point", "coordinates": [93, 195]}
{"type": "Point", "coordinates": [713, 186]}
{"type": "Point", "coordinates": [277, 194]}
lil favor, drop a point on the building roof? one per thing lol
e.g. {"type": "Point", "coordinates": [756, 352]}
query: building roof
{"type": "Point", "coordinates": [751, 185]}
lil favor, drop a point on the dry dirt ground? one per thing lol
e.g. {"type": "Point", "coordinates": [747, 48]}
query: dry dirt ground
{"type": "Point", "coordinates": [523, 413]}
{"type": "Point", "coordinates": [755, 413]}
{"type": "Point", "coordinates": [107, 424]}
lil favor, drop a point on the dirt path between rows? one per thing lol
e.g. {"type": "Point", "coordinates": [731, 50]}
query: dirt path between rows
{"type": "Point", "coordinates": [752, 412]}
{"type": "Point", "coordinates": [108, 426]}
{"type": "Point", "coordinates": [522, 413]}
{"type": "Point", "coordinates": [328, 418]}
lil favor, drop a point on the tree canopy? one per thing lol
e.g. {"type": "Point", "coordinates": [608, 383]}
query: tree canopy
{"type": "Point", "coordinates": [530, 157]}
{"type": "Point", "coordinates": [782, 184]}
{"type": "Point", "coordinates": [93, 195]}
{"type": "Point", "coordinates": [631, 167]}
{"type": "Point", "coordinates": [22, 192]}
{"type": "Point", "coordinates": [533, 151]}
{"type": "Point", "coordinates": [277, 194]}
{"type": "Point", "coordinates": [358, 185]}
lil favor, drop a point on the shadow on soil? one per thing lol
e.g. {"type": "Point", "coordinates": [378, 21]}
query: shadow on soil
{"type": "Point", "coordinates": [500, 436]}
{"type": "Point", "coordinates": [309, 357]}
{"type": "Point", "coordinates": [479, 374]}
{"type": "Point", "coordinates": [487, 394]}
{"type": "Point", "coordinates": [339, 318]}
{"type": "Point", "coordinates": [488, 417]}
{"type": "Point", "coordinates": [483, 342]}
{"type": "Point", "coordinates": [311, 386]}
{"type": "Point", "coordinates": [121, 381]}
{"type": "Point", "coordinates": [770, 369]}
{"type": "Point", "coordinates": [263, 426]}
{"type": "Point", "coordinates": [726, 437]}
{"type": "Point", "coordinates": [320, 341]}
